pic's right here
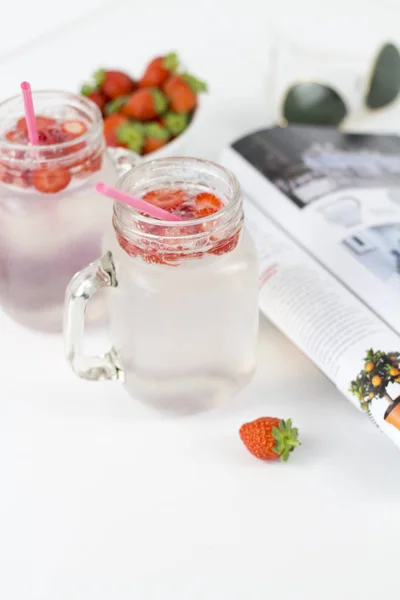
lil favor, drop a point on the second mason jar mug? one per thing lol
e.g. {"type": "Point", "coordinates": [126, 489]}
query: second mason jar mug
{"type": "Point", "coordinates": [183, 311]}
{"type": "Point", "coordinates": [52, 221]}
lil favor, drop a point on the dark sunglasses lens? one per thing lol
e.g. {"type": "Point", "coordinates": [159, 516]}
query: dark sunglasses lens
{"type": "Point", "coordinates": [313, 104]}
{"type": "Point", "coordinates": [385, 80]}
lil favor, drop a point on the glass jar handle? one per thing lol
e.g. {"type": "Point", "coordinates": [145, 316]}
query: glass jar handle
{"type": "Point", "coordinates": [97, 275]}
{"type": "Point", "coordinates": [123, 160]}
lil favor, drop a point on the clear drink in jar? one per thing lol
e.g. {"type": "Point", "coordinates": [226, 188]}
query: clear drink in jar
{"type": "Point", "coordinates": [183, 311]}
{"type": "Point", "coordinates": [51, 219]}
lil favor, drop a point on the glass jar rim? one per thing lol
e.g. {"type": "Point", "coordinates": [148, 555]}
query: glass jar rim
{"type": "Point", "coordinates": [86, 102]}
{"type": "Point", "coordinates": [126, 213]}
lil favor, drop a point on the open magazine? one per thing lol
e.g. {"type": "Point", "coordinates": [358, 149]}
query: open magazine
{"type": "Point", "coordinates": [324, 211]}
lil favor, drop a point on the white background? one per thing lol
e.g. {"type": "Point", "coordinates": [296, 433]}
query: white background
{"type": "Point", "coordinates": [101, 498]}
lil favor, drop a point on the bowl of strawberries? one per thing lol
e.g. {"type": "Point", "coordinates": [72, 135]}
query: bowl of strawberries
{"type": "Point", "coordinates": [151, 116]}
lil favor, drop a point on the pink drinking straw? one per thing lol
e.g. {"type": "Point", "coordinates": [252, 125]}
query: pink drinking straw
{"type": "Point", "coordinates": [29, 113]}
{"type": "Point", "coordinates": [137, 203]}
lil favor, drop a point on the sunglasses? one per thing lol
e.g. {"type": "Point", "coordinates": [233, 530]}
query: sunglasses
{"type": "Point", "coordinates": [312, 103]}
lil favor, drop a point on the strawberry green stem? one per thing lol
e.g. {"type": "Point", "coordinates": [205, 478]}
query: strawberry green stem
{"type": "Point", "coordinates": [115, 105]}
{"type": "Point", "coordinates": [286, 439]}
{"type": "Point", "coordinates": [99, 76]}
{"type": "Point", "coordinates": [197, 85]}
{"type": "Point", "coordinates": [88, 89]}
{"type": "Point", "coordinates": [159, 99]}
{"type": "Point", "coordinates": [155, 130]}
{"type": "Point", "coordinates": [131, 135]}
{"type": "Point", "coordinates": [176, 123]}
{"type": "Point", "coordinates": [171, 62]}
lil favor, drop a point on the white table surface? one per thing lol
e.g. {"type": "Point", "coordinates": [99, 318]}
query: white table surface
{"type": "Point", "coordinates": [100, 497]}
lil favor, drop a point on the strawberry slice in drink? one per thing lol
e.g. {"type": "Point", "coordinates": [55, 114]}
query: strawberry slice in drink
{"type": "Point", "coordinates": [225, 245]}
{"type": "Point", "coordinates": [50, 180]}
{"type": "Point", "coordinates": [5, 174]}
{"type": "Point", "coordinates": [90, 165]}
{"type": "Point", "coordinates": [50, 136]}
{"type": "Point", "coordinates": [23, 178]}
{"type": "Point", "coordinates": [16, 136]}
{"type": "Point", "coordinates": [167, 198]}
{"type": "Point", "coordinates": [129, 248]}
{"type": "Point", "coordinates": [73, 129]}
{"type": "Point", "coordinates": [41, 123]}
{"type": "Point", "coordinates": [207, 204]}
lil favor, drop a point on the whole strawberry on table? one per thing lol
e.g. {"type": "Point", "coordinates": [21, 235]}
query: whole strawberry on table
{"type": "Point", "coordinates": [269, 438]}
{"type": "Point", "coordinates": [144, 115]}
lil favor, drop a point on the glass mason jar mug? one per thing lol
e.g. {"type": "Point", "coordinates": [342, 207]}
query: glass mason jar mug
{"type": "Point", "coordinates": [51, 219]}
{"type": "Point", "coordinates": [183, 314]}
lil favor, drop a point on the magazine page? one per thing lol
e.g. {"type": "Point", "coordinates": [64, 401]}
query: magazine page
{"type": "Point", "coordinates": [339, 196]}
{"type": "Point", "coordinates": [356, 350]}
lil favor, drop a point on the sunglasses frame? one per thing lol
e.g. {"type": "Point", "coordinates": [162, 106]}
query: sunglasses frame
{"type": "Point", "coordinates": [283, 122]}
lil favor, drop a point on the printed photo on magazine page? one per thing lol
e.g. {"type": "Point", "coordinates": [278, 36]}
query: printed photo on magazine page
{"type": "Point", "coordinates": [338, 196]}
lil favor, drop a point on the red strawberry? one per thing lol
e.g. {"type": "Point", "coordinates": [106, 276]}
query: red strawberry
{"type": "Point", "coordinates": [111, 139]}
{"type": "Point", "coordinates": [114, 83]}
{"type": "Point", "coordinates": [158, 70]}
{"type": "Point", "coordinates": [127, 246]}
{"type": "Point", "coordinates": [54, 135]}
{"type": "Point", "coordinates": [17, 136]}
{"type": "Point", "coordinates": [73, 129]}
{"type": "Point", "coordinates": [145, 104]}
{"type": "Point", "coordinates": [41, 123]}
{"type": "Point", "coordinates": [112, 122]}
{"type": "Point", "coordinates": [207, 204]}
{"type": "Point", "coordinates": [15, 176]}
{"type": "Point", "coordinates": [46, 138]}
{"type": "Point", "coordinates": [269, 438]}
{"type": "Point", "coordinates": [152, 144]}
{"type": "Point", "coordinates": [98, 98]}
{"type": "Point", "coordinates": [166, 198]}
{"type": "Point", "coordinates": [5, 174]}
{"type": "Point", "coordinates": [90, 165]}
{"type": "Point", "coordinates": [181, 96]}
{"type": "Point", "coordinates": [226, 245]}
{"type": "Point", "coordinates": [50, 180]}
{"type": "Point", "coordinates": [93, 164]}
{"type": "Point", "coordinates": [23, 178]}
